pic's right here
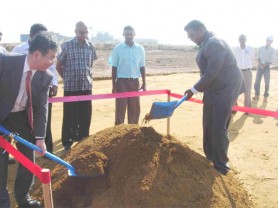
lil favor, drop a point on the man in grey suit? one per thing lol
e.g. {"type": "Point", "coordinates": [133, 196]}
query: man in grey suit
{"type": "Point", "coordinates": [221, 81]}
{"type": "Point", "coordinates": [14, 110]}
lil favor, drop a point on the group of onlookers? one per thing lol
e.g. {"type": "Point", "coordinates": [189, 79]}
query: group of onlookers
{"type": "Point", "coordinates": [245, 56]}
{"type": "Point", "coordinates": [26, 86]}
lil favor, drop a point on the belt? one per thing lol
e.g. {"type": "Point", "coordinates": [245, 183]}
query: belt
{"type": "Point", "coordinates": [246, 69]}
{"type": "Point", "coordinates": [128, 78]}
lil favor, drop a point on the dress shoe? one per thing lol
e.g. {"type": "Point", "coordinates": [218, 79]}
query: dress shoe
{"type": "Point", "coordinates": [11, 161]}
{"type": "Point", "coordinates": [67, 148]}
{"type": "Point", "coordinates": [31, 204]}
{"type": "Point", "coordinates": [265, 99]}
{"type": "Point", "coordinates": [256, 97]}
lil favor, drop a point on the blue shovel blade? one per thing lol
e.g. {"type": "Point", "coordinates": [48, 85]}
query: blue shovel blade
{"type": "Point", "coordinates": [162, 109]}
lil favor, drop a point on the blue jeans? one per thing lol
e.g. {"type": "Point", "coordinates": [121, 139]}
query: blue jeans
{"type": "Point", "coordinates": [266, 73]}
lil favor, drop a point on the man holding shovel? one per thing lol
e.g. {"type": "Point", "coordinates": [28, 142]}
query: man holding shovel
{"type": "Point", "coordinates": [221, 82]}
{"type": "Point", "coordinates": [24, 88]}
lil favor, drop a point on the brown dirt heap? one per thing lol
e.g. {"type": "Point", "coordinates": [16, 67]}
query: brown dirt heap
{"type": "Point", "coordinates": [144, 169]}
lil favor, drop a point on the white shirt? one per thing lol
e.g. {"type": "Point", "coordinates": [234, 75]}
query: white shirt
{"type": "Point", "coordinates": [23, 48]}
{"type": "Point", "coordinates": [244, 57]}
{"type": "Point", "coordinates": [21, 100]}
{"type": "Point", "coordinates": [3, 50]}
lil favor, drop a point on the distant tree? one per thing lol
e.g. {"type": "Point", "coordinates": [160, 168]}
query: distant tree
{"type": "Point", "coordinates": [103, 37]}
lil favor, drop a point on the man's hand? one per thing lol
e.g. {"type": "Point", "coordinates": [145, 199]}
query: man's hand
{"type": "Point", "coordinates": [41, 144]}
{"type": "Point", "coordinates": [188, 93]}
{"type": "Point", "coordinates": [262, 66]}
{"type": "Point", "coordinates": [53, 91]}
{"type": "Point", "coordinates": [143, 87]}
{"type": "Point", "coordinates": [114, 88]}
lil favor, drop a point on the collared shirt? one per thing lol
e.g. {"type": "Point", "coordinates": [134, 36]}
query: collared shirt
{"type": "Point", "coordinates": [21, 100]}
{"type": "Point", "coordinates": [23, 48]}
{"type": "Point", "coordinates": [3, 50]}
{"type": "Point", "coordinates": [77, 61]}
{"type": "Point", "coordinates": [244, 57]}
{"type": "Point", "coordinates": [266, 55]}
{"type": "Point", "coordinates": [128, 60]}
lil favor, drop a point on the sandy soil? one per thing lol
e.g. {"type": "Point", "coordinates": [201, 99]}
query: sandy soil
{"type": "Point", "coordinates": [253, 148]}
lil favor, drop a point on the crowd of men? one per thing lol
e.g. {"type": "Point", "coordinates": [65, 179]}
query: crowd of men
{"type": "Point", "coordinates": [28, 76]}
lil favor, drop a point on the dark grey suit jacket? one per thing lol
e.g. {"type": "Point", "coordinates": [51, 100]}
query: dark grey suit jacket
{"type": "Point", "coordinates": [11, 70]}
{"type": "Point", "coordinates": [221, 80]}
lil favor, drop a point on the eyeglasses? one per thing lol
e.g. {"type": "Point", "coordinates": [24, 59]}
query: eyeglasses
{"type": "Point", "coordinates": [83, 32]}
{"type": "Point", "coordinates": [52, 59]}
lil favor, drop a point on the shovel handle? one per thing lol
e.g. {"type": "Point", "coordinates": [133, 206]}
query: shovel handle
{"type": "Point", "coordinates": [180, 101]}
{"type": "Point", "coordinates": [36, 148]}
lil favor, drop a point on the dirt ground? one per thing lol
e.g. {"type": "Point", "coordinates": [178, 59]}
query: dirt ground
{"type": "Point", "coordinates": [253, 148]}
{"type": "Point", "coordinates": [135, 166]}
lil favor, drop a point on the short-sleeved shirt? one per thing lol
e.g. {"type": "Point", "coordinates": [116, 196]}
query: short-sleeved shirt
{"type": "Point", "coordinates": [77, 61]}
{"type": "Point", "coordinates": [128, 60]}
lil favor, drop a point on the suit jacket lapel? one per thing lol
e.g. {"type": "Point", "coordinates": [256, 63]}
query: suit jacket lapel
{"type": "Point", "coordinates": [16, 76]}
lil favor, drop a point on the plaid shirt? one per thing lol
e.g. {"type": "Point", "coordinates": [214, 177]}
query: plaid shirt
{"type": "Point", "coordinates": [77, 61]}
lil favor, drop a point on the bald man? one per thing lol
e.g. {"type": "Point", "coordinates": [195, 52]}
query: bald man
{"type": "Point", "coordinates": [75, 65]}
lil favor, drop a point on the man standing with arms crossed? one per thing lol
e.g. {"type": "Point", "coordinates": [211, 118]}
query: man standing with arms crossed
{"type": "Point", "coordinates": [128, 64]}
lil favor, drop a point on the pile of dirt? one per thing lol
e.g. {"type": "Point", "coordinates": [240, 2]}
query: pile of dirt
{"type": "Point", "coordinates": [141, 168]}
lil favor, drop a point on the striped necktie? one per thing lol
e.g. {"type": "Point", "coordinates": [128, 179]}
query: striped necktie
{"type": "Point", "coordinates": [29, 102]}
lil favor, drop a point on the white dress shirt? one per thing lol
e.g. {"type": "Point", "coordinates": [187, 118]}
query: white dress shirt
{"type": "Point", "coordinates": [244, 57]}
{"type": "Point", "coordinates": [21, 100]}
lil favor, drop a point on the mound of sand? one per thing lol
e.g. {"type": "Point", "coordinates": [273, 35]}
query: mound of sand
{"type": "Point", "coordinates": [141, 168]}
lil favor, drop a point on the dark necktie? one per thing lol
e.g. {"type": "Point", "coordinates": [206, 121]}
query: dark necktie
{"type": "Point", "coordinates": [29, 102]}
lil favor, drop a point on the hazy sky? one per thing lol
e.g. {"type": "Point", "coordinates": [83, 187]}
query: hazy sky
{"type": "Point", "coordinates": [163, 20]}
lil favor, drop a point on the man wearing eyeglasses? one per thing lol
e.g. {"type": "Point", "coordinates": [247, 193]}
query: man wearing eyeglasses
{"type": "Point", "coordinates": [75, 65]}
{"type": "Point", "coordinates": [24, 86]}
{"type": "Point", "coordinates": [23, 48]}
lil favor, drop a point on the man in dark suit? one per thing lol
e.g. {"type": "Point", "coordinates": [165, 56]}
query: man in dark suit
{"type": "Point", "coordinates": [23, 48]}
{"type": "Point", "coordinates": [221, 81]}
{"type": "Point", "coordinates": [15, 113]}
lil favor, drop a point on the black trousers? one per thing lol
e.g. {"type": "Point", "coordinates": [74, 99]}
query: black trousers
{"type": "Point", "coordinates": [48, 137]}
{"type": "Point", "coordinates": [216, 120]}
{"type": "Point", "coordinates": [17, 122]}
{"type": "Point", "coordinates": [76, 118]}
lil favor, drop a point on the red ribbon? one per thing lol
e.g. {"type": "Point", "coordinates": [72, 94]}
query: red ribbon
{"type": "Point", "coordinates": [256, 111]}
{"type": "Point", "coordinates": [42, 174]}
{"type": "Point", "coordinates": [107, 96]}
